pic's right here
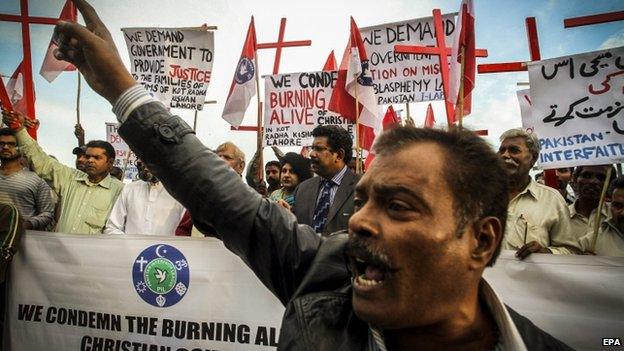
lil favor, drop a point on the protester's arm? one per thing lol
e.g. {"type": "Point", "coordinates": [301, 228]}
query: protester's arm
{"type": "Point", "coordinates": [80, 134]}
{"type": "Point", "coordinates": [45, 208]}
{"type": "Point", "coordinates": [45, 166]}
{"type": "Point", "coordinates": [562, 240]}
{"type": "Point", "coordinates": [116, 223]}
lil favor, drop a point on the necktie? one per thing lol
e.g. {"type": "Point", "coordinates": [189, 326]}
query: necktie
{"type": "Point", "coordinates": [322, 207]}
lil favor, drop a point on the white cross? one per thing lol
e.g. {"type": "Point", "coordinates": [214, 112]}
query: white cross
{"type": "Point", "coordinates": [141, 261]}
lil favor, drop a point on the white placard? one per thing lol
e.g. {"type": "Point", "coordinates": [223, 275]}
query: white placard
{"type": "Point", "coordinates": [173, 64]}
{"type": "Point", "coordinates": [577, 105]}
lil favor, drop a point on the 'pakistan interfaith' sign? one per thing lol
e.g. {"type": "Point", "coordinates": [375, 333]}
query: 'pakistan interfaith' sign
{"type": "Point", "coordinates": [402, 78]}
{"type": "Point", "coordinates": [577, 105]}
{"type": "Point", "coordinates": [173, 64]}
{"type": "Point", "coordinates": [295, 103]}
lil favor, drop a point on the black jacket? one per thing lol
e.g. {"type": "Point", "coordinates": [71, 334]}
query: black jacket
{"type": "Point", "coordinates": [305, 271]}
{"type": "Point", "coordinates": [339, 212]}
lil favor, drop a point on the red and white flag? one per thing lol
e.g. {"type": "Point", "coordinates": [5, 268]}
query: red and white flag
{"type": "Point", "coordinates": [464, 38]}
{"type": "Point", "coordinates": [390, 121]}
{"type": "Point", "coordinates": [15, 90]}
{"type": "Point", "coordinates": [244, 83]}
{"type": "Point", "coordinates": [330, 63]}
{"type": "Point", "coordinates": [51, 67]}
{"type": "Point", "coordinates": [355, 80]}
{"type": "Point", "coordinates": [429, 118]}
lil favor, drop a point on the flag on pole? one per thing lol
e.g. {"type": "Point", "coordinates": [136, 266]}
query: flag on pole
{"type": "Point", "coordinates": [330, 63]}
{"type": "Point", "coordinates": [51, 67]}
{"type": "Point", "coordinates": [244, 83]}
{"type": "Point", "coordinates": [390, 121]}
{"type": "Point", "coordinates": [5, 101]}
{"type": "Point", "coordinates": [354, 72]}
{"type": "Point", "coordinates": [15, 90]}
{"type": "Point", "coordinates": [429, 118]}
{"type": "Point", "coordinates": [464, 38]}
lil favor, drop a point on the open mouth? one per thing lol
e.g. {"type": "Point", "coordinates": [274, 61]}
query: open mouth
{"type": "Point", "coordinates": [369, 270]}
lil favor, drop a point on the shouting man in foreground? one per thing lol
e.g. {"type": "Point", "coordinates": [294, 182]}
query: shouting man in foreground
{"type": "Point", "coordinates": [417, 244]}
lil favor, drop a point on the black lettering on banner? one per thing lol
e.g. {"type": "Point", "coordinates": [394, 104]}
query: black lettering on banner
{"type": "Point", "coordinates": [29, 312]}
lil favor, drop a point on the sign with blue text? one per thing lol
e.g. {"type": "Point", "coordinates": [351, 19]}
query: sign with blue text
{"type": "Point", "coordinates": [577, 105]}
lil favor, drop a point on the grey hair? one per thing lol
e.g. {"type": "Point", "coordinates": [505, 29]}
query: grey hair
{"type": "Point", "coordinates": [531, 140]}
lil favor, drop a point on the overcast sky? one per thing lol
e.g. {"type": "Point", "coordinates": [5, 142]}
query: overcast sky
{"type": "Point", "coordinates": [500, 28]}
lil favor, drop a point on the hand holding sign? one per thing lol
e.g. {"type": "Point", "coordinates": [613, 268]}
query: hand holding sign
{"type": "Point", "coordinates": [92, 51]}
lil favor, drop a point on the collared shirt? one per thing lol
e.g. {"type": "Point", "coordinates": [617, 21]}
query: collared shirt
{"type": "Point", "coordinates": [580, 224]}
{"type": "Point", "coordinates": [84, 206]}
{"type": "Point", "coordinates": [144, 208]}
{"type": "Point", "coordinates": [539, 213]}
{"type": "Point", "coordinates": [335, 184]}
{"type": "Point", "coordinates": [610, 240]}
{"type": "Point", "coordinates": [31, 195]}
{"type": "Point", "coordinates": [509, 336]}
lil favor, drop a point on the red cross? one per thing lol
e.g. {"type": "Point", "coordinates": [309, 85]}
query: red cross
{"type": "Point", "coordinates": [443, 54]}
{"type": "Point", "coordinates": [550, 177]}
{"type": "Point", "coordinates": [593, 19]}
{"type": "Point", "coordinates": [26, 21]}
{"type": "Point", "coordinates": [278, 56]}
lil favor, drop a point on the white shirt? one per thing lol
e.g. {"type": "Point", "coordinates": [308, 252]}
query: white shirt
{"type": "Point", "coordinates": [539, 213]}
{"type": "Point", "coordinates": [144, 209]}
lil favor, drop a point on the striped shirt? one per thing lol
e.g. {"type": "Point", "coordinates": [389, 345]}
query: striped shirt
{"type": "Point", "coordinates": [336, 180]}
{"type": "Point", "coordinates": [31, 195]}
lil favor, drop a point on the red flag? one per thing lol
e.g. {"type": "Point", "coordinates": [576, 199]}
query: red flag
{"type": "Point", "coordinates": [429, 118]}
{"type": "Point", "coordinates": [464, 38]}
{"type": "Point", "coordinates": [243, 86]}
{"type": "Point", "coordinates": [15, 90]}
{"type": "Point", "coordinates": [51, 67]}
{"type": "Point", "coordinates": [5, 101]}
{"type": "Point", "coordinates": [330, 63]}
{"type": "Point", "coordinates": [354, 79]}
{"type": "Point", "coordinates": [390, 121]}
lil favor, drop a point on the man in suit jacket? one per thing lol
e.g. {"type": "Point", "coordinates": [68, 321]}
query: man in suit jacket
{"type": "Point", "coordinates": [326, 202]}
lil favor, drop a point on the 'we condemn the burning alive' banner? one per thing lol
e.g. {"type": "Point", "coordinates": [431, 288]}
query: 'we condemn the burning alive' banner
{"type": "Point", "coordinates": [577, 105]}
{"type": "Point", "coordinates": [129, 292]}
{"type": "Point", "coordinates": [402, 78]}
{"type": "Point", "coordinates": [295, 103]}
{"type": "Point", "coordinates": [174, 64]}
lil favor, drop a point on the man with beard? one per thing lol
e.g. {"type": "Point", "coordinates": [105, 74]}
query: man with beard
{"type": "Point", "coordinates": [86, 197]}
{"type": "Point", "coordinates": [427, 225]}
{"type": "Point", "coordinates": [538, 219]}
{"type": "Point", "coordinates": [23, 188]}
{"type": "Point", "coordinates": [326, 202]}
{"type": "Point", "coordinates": [610, 238]}
{"type": "Point", "coordinates": [144, 207]}
{"type": "Point", "coordinates": [588, 182]}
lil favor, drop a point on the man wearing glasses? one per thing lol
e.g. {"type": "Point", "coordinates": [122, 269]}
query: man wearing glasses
{"type": "Point", "coordinates": [326, 202]}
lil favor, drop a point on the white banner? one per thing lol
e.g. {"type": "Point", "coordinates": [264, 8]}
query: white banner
{"type": "Point", "coordinates": [295, 103]}
{"type": "Point", "coordinates": [123, 160]}
{"type": "Point", "coordinates": [174, 64]}
{"type": "Point", "coordinates": [71, 292]}
{"type": "Point", "coordinates": [577, 299]}
{"type": "Point", "coordinates": [402, 78]}
{"type": "Point", "coordinates": [524, 101]}
{"type": "Point", "coordinates": [121, 292]}
{"type": "Point", "coordinates": [577, 108]}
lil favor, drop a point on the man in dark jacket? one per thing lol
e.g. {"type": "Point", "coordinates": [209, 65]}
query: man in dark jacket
{"type": "Point", "coordinates": [417, 245]}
